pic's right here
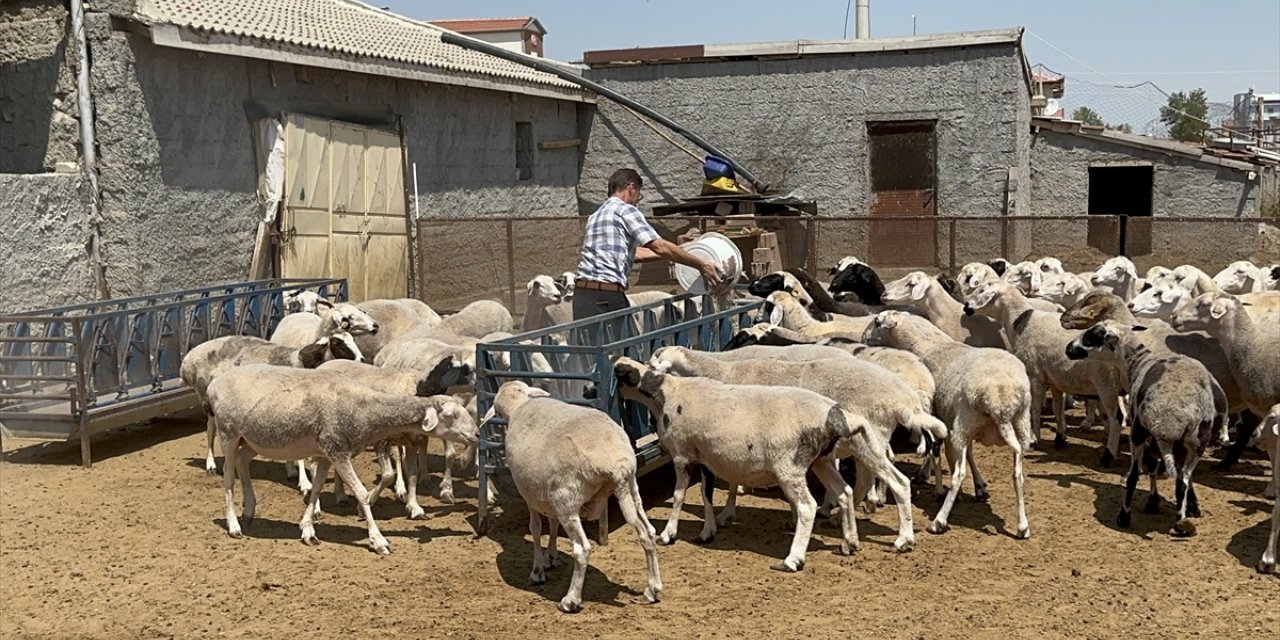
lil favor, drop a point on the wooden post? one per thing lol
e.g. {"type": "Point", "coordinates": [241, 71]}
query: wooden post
{"type": "Point", "coordinates": [86, 455]}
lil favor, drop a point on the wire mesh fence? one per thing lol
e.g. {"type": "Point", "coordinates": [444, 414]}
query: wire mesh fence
{"type": "Point", "coordinates": [467, 259]}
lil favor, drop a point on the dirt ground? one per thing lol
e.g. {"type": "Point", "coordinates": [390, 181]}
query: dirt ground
{"type": "Point", "coordinates": [137, 548]}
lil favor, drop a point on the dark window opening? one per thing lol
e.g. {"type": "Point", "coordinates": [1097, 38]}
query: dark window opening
{"type": "Point", "coordinates": [1121, 191]}
{"type": "Point", "coordinates": [524, 150]}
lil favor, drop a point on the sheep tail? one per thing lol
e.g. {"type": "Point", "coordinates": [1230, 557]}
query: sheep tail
{"type": "Point", "coordinates": [931, 429]}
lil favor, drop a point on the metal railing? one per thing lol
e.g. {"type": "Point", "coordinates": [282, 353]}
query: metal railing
{"type": "Point", "coordinates": [80, 369]}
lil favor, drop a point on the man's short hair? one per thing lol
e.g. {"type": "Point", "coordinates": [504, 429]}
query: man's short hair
{"type": "Point", "coordinates": [623, 177]}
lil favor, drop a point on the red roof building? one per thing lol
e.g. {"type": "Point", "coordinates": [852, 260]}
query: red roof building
{"type": "Point", "coordinates": [523, 34]}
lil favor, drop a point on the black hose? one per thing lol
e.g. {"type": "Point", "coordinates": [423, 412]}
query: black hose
{"type": "Point", "coordinates": [546, 67]}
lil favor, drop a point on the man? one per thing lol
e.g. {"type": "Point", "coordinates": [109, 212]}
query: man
{"type": "Point", "coordinates": [617, 237]}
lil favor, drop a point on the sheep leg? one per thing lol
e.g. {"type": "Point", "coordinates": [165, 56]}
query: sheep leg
{"type": "Point", "coordinates": [835, 485]}
{"type": "Point", "coordinates": [210, 430]}
{"type": "Point", "coordinates": [1153, 498]}
{"type": "Point", "coordinates": [446, 482]}
{"type": "Point", "coordinates": [572, 601]}
{"type": "Point", "coordinates": [300, 469]}
{"type": "Point", "coordinates": [677, 502]}
{"type": "Point", "coordinates": [1136, 449]}
{"type": "Point", "coordinates": [313, 504]}
{"type": "Point", "coordinates": [386, 475]}
{"type": "Point", "coordinates": [1109, 405]}
{"type": "Point", "coordinates": [1037, 403]}
{"type": "Point", "coordinates": [342, 466]}
{"type": "Point", "coordinates": [1059, 411]}
{"type": "Point", "coordinates": [413, 467]}
{"type": "Point", "coordinates": [1183, 526]}
{"type": "Point", "coordinates": [797, 491]}
{"type": "Point", "coordinates": [550, 555]}
{"type": "Point", "coordinates": [1010, 436]}
{"type": "Point", "coordinates": [980, 492]}
{"type": "Point", "coordinates": [539, 574]}
{"type": "Point", "coordinates": [628, 494]}
{"type": "Point", "coordinates": [939, 490]}
{"type": "Point", "coordinates": [709, 522]}
{"type": "Point", "coordinates": [229, 490]}
{"type": "Point", "coordinates": [1090, 410]}
{"type": "Point", "coordinates": [244, 455]}
{"type": "Point", "coordinates": [397, 459]}
{"type": "Point", "coordinates": [730, 506]}
{"type": "Point", "coordinates": [339, 489]}
{"type": "Point", "coordinates": [959, 462]}
{"type": "Point", "coordinates": [1267, 564]}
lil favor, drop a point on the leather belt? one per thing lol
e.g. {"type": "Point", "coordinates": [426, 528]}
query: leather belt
{"type": "Point", "coordinates": [597, 285]}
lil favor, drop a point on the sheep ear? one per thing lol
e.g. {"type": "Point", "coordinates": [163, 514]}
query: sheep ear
{"type": "Point", "coordinates": [775, 316]}
{"type": "Point", "coordinates": [430, 420]}
{"type": "Point", "coordinates": [1218, 309]}
{"type": "Point", "coordinates": [1137, 327]}
{"type": "Point", "coordinates": [919, 289]}
{"type": "Point", "coordinates": [528, 288]}
{"type": "Point", "coordinates": [488, 415]}
{"type": "Point", "coordinates": [535, 392]}
{"type": "Point", "coordinates": [312, 355]}
{"type": "Point", "coordinates": [324, 302]}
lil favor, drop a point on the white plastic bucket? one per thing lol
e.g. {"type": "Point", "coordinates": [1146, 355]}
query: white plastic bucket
{"type": "Point", "coordinates": [719, 250]}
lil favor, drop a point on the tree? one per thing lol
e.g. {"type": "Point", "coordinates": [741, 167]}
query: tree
{"type": "Point", "coordinates": [1186, 115]}
{"type": "Point", "coordinates": [1122, 127]}
{"type": "Point", "coordinates": [1087, 116]}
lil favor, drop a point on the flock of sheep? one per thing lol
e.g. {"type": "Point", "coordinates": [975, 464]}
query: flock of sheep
{"type": "Point", "coordinates": [836, 373]}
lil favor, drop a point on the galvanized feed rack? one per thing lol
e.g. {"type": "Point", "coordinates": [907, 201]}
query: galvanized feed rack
{"type": "Point", "coordinates": [636, 333]}
{"type": "Point", "coordinates": [78, 370]}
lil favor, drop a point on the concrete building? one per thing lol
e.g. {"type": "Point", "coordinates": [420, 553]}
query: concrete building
{"type": "Point", "coordinates": [522, 35]}
{"type": "Point", "coordinates": [255, 138]}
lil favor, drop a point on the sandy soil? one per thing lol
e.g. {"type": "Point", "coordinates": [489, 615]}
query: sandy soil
{"type": "Point", "coordinates": [136, 547]}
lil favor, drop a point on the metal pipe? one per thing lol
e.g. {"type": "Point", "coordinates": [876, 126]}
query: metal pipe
{"type": "Point", "coordinates": [863, 14]}
{"type": "Point", "coordinates": [555, 70]}
{"type": "Point", "coordinates": [88, 148]}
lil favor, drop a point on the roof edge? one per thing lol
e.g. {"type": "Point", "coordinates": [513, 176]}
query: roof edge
{"type": "Point", "coordinates": [793, 48]}
{"type": "Point", "coordinates": [1156, 145]}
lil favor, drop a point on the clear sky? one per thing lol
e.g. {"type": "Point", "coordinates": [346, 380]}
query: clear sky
{"type": "Point", "coordinates": [1223, 46]}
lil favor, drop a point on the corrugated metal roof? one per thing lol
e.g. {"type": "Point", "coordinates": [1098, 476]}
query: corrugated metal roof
{"type": "Point", "coordinates": [340, 26]}
{"type": "Point", "coordinates": [482, 25]}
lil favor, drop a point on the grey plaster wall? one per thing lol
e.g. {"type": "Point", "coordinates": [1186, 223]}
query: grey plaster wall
{"type": "Point", "coordinates": [802, 122]}
{"type": "Point", "coordinates": [177, 167]}
{"type": "Point", "coordinates": [1181, 187]}
{"type": "Point", "coordinates": [44, 262]}
{"type": "Point", "coordinates": [38, 124]}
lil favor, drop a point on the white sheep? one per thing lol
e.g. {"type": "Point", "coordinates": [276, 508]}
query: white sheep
{"type": "Point", "coordinates": [785, 310]}
{"type": "Point", "coordinates": [290, 414]}
{"type": "Point", "coordinates": [1164, 298]}
{"type": "Point", "coordinates": [1119, 276]}
{"type": "Point", "coordinates": [477, 320]}
{"type": "Point", "coordinates": [1049, 264]}
{"type": "Point", "coordinates": [212, 358]}
{"type": "Point", "coordinates": [566, 461]}
{"type": "Point", "coordinates": [297, 301]}
{"type": "Point", "coordinates": [876, 394]}
{"type": "Point", "coordinates": [1172, 403]}
{"type": "Point", "coordinates": [298, 330]}
{"type": "Point", "coordinates": [786, 430]}
{"type": "Point", "coordinates": [1251, 346]}
{"type": "Point", "coordinates": [1271, 437]}
{"type": "Point", "coordinates": [983, 394]}
{"type": "Point", "coordinates": [396, 318]}
{"type": "Point", "coordinates": [1064, 289]}
{"type": "Point", "coordinates": [449, 372]}
{"type": "Point", "coordinates": [1036, 338]}
{"type": "Point", "coordinates": [545, 305]}
{"type": "Point", "coordinates": [1241, 276]}
{"type": "Point", "coordinates": [974, 274]}
{"type": "Point", "coordinates": [920, 290]}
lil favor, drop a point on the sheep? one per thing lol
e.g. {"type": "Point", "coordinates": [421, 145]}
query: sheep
{"type": "Point", "coordinates": [1250, 346]}
{"type": "Point", "coordinates": [1119, 276]}
{"type": "Point", "coordinates": [809, 291]}
{"type": "Point", "coordinates": [545, 305]}
{"type": "Point", "coordinates": [1171, 403]}
{"type": "Point", "coordinates": [1063, 289]}
{"type": "Point", "coordinates": [1049, 264]}
{"type": "Point", "coordinates": [567, 282]}
{"type": "Point", "coordinates": [298, 330]}
{"type": "Point", "coordinates": [289, 414]}
{"type": "Point", "coordinates": [395, 320]}
{"type": "Point", "coordinates": [857, 277]}
{"type": "Point", "coordinates": [566, 461]}
{"type": "Point", "coordinates": [786, 431]}
{"type": "Point", "coordinates": [924, 293]}
{"type": "Point", "coordinates": [212, 358]}
{"type": "Point", "coordinates": [1027, 277]}
{"type": "Point", "coordinates": [768, 334]}
{"type": "Point", "coordinates": [885, 399]}
{"type": "Point", "coordinates": [298, 301]}
{"type": "Point", "coordinates": [476, 320]}
{"type": "Point", "coordinates": [1271, 278]}
{"type": "Point", "coordinates": [1036, 338]}
{"type": "Point", "coordinates": [1239, 277]}
{"type": "Point", "coordinates": [404, 382]}
{"type": "Point", "coordinates": [1267, 564]}
{"type": "Point", "coordinates": [784, 309]}
{"type": "Point", "coordinates": [983, 395]}
{"type": "Point", "coordinates": [1165, 297]}
{"type": "Point", "coordinates": [999, 266]}
{"type": "Point", "coordinates": [972, 275]}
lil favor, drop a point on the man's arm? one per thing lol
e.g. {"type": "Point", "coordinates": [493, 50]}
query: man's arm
{"type": "Point", "coordinates": [664, 250]}
{"type": "Point", "coordinates": [644, 254]}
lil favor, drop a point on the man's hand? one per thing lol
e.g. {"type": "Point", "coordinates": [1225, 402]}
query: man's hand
{"type": "Point", "coordinates": [710, 273]}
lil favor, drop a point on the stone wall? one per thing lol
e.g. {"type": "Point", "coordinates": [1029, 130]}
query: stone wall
{"type": "Point", "coordinates": [45, 259]}
{"type": "Point", "coordinates": [38, 122]}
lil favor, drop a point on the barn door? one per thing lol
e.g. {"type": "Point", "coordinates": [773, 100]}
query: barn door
{"type": "Point", "coordinates": [344, 214]}
{"type": "Point", "coordinates": [903, 184]}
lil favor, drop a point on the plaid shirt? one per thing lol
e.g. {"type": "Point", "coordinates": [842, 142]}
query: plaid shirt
{"type": "Point", "coordinates": [609, 249]}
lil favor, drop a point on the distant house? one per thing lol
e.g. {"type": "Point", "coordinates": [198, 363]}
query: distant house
{"type": "Point", "coordinates": [523, 34]}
